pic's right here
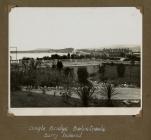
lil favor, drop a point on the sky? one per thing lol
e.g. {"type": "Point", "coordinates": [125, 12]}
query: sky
{"type": "Point", "coordinates": [74, 27]}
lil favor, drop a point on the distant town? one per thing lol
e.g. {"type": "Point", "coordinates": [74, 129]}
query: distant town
{"type": "Point", "coordinates": [115, 53]}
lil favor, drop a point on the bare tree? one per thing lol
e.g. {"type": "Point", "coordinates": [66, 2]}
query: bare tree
{"type": "Point", "coordinates": [108, 91]}
{"type": "Point", "coordinates": [85, 93]}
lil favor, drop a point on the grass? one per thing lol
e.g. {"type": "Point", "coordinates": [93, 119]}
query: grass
{"type": "Point", "coordinates": [24, 99]}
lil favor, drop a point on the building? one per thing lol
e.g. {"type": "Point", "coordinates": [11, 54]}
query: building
{"type": "Point", "coordinates": [118, 52]}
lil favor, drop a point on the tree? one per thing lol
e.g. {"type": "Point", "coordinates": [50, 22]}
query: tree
{"type": "Point", "coordinates": [55, 56]}
{"type": "Point", "coordinates": [85, 88]}
{"type": "Point", "coordinates": [68, 55]}
{"type": "Point", "coordinates": [68, 83]}
{"type": "Point", "coordinates": [30, 73]}
{"type": "Point", "coordinates": [108, 91]}
{"type": "Point", "coordinates": [53, 65]}
{"type": "Point", "coordinates": [121, 70]}
{"type": "Point", "coordinates": [102, 73]}
{"type": "Point", "coordinates": [73, 56]}
{"type": "Point", "coordinates": [82, 75]}
{"type": "Point", "coordinates": [85, 93]}
{"type": "Point", "coordinates": [59, 65]}
{"type": "Point", "coordinates": [16, 80]}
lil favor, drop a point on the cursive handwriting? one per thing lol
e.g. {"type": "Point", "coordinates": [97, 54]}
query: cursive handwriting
{"type": "Point", "coordinates": [75, 131]}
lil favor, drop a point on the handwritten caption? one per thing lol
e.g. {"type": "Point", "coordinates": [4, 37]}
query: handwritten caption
{"type": "Point", "coordinates": [75, 131]}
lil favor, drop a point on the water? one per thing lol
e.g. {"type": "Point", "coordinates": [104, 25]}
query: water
{"type": "Point", "coordinates": [32, 55]}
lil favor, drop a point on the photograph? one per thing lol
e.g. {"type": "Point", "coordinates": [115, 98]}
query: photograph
{"type": "Point", "coordinates": [75, 60]}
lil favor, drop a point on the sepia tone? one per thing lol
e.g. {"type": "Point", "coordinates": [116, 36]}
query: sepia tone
{"type": "Point", "coordinates": [118, 127]}
{"type": "Point", "coordinates": [94, 73]}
